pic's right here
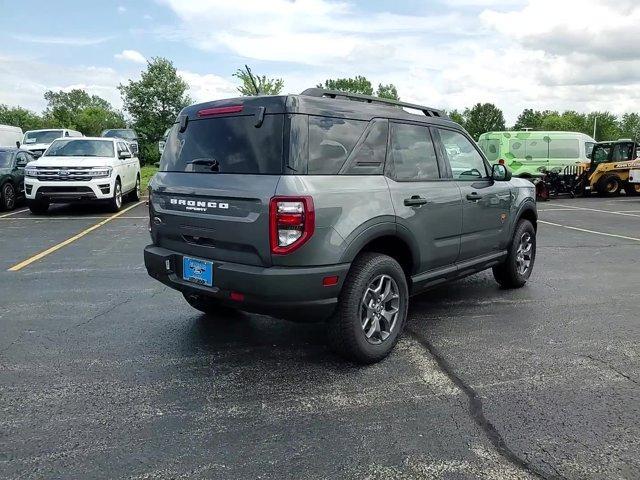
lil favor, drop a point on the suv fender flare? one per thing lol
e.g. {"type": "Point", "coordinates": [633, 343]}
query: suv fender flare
{"type": "Point", "coordinates": [526, 210]}
{"type": "Point", "coordinates": [379, 230]}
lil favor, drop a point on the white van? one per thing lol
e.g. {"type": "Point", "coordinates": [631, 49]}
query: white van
{"type": "Point", "coordinates": [10, 135]}
{"type": "Point", "coordinates": [37, 141]}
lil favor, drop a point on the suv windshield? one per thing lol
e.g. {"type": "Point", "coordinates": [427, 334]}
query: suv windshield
{"type": "Point", "coordinates": [226, 145]}
{"type": "Point", "coordinates": [80, 148]}
{"type": "Point", "coordinates": [43, 136]}
{"type": "Point", "coordinates": [5, 159]}
{"type": "Point", "coordinates": [125, 133]}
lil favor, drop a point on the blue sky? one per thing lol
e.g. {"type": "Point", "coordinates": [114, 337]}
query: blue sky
{"type": "Point", "coordinates": [444, 53]}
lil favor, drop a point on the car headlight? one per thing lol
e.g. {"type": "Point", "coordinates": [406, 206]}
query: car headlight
{"type": "Point", "coordinates": [30, 172]}
{"type": "Point", "coordinates": [101, 172]}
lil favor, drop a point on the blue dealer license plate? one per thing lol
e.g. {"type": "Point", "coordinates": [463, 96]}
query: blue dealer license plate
{"type": "Point", "coordinates": [197, 271]}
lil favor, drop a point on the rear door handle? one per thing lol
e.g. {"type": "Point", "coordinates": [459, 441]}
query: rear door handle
{"type": "Point", "coordinates": [415, 201]}
{"type": "Point", "coordinates": [473, 196]}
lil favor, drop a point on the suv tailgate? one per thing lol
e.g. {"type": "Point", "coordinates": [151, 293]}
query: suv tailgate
{"type": "Point", "coordinates": [219, 217]}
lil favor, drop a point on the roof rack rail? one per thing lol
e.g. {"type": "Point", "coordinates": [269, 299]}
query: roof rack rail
{"type": "Point", "coordinates": [321, 92]}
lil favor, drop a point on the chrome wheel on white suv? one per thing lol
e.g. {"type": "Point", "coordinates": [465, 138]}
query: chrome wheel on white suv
{"type": "Point", "coordinates": [116, 201]}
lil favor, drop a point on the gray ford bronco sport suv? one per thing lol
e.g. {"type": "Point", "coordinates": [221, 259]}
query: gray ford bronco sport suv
{"type": "Point", "coordinates": [331, 207]}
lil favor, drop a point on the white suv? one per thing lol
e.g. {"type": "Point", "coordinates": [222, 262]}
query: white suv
{"type": "Point", "coordinates": [37, 141]}
{"type": "Point", "coordinates": [82, 169]}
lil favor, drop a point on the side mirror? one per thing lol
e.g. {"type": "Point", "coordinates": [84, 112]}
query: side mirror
{"type": "Point", "coordinates": [500, 173]}
{"type": "Point", "coordinates": [124, 155]}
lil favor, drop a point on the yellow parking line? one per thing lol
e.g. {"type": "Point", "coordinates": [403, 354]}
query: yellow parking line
{"type": "Point", "coordinates": [35, 258]}
{"type": "Point", "coordinates": [590, 231]}
{"type": "Point", "coordinates": [14, 212]}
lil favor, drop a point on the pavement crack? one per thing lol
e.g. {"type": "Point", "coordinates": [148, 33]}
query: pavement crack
{"type": "Point", "coordinates": [610, 367]}
{"type": "Point", "coordinates": [100, 314]}
{"type": "Point", "coordinates": [476, 412]}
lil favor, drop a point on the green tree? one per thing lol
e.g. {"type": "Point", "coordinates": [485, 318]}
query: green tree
{"type": "Point", "coordinates": [154, 102]}
{"type": "Point", "coordinates": [387, 91]}
{"type": "Point", "coordinates": [266, 86]}
{"type": "Point", "coordinates": [456, 116]}
{"type": "Point", "coordinates": [20, 117]}
{"type": "Point", "coordinates": [630, 126]}
{"type": "Point", "coordinates": [357, 84]}
{"type": "Point", "coordinates": [361, 85]}
{"type": "Point", "coordinates": [529, 118]}
{"type": "Point", "coordinates": [481, 118]}
{"type": "Point", "coordinates": [78, 110]}
{"type": "Point", "coordinates": [607, 126]}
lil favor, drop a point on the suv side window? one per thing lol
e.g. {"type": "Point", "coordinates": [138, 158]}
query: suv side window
{"type": "Point", "coordinates": [330, 143]}
{"type": "Point", "coordinates": [465, 160]}
{"type": "Point", "coordinates": [412, 155]}
{"type": "Point", "coordinates": [367, 158]}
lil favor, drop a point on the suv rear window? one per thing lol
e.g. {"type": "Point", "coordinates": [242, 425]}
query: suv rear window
{"type": "Point", "coordinates": [226, 145]}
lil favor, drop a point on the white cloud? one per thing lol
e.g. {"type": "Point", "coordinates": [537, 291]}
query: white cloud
{"type": "Point", "coordinates": [207, 87]}
{"type": "Point", "coordinates": [516, 53]}
{"type": "Point", "coordinates": [19, 86]}
{"type": "Point", "coordinates": [122, 9]}
{"type": "Point", "coordinates": [131, 56]}
{"type": "Point", "coordinates": [55, 40]}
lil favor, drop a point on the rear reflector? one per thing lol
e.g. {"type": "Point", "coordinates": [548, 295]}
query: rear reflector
{"type": "Point", "coordinates": [236, 296]}
{"type": "Point", "coordinates": [330, 281]}
{"type": "Point", "coordinates": [208, 112]}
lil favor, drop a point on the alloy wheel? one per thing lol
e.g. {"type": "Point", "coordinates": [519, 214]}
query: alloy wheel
{"type": "Point", "coordinates": [379, 309]}
{"type": "Point", "coordinates": [118, 195]}
{"type": "Point", "coordinates": [9, 197]}
{"type": "Point", "coordinates": [524, 253]}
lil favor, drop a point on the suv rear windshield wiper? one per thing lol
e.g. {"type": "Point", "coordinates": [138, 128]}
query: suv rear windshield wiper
{"type": "Point", "coordinates": [212, 163]}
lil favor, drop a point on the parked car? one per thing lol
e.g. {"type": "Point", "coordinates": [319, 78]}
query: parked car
{"type": "Point", "coordinates": [163, 142]}
{"type": "Point", "coordinates": [83, 169]}
{"type": "Point", "coordinates": [12, 164]}
{"type": "Point", "coordinates": [127, 134]}
{"type": "Point", "coordinates": [10, 136]}
{"type": "Point", "coordinates": [37, 141]}
{"type": "Point", "coordinates": [333, 207]}
{"type": "Point", "coordinates": [531, 153]}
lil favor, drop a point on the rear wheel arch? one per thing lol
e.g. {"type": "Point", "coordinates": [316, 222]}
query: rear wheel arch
{"type": "Point", "coordinates": [389, 243]}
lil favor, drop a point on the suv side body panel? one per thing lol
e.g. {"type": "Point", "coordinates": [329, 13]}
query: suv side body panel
{"type": "Point", "coordinates": [342, 213]}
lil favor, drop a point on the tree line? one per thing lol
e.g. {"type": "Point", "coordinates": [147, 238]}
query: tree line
{"type": "Point", "coordinates": [151, 104]}
{"type": "Point", "coordinates": [486, 117]}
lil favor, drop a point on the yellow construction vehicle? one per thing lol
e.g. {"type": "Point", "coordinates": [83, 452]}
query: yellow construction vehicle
{"type": "Point", "coordinates": [607, 173]}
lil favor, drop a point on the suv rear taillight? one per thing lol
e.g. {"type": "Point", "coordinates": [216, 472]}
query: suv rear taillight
{"type": "Point", "coordinates": [291, 223]}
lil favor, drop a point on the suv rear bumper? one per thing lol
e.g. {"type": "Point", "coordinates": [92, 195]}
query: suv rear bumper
{"type": "Point", "coordinates": [295, 293]}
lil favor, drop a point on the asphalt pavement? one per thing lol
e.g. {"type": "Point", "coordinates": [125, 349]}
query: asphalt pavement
{"type": "Point", "coordinates": [105, 373]}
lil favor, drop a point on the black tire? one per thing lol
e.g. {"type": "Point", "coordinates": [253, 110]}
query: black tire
{"type": "Point", "coordinates": [115, 203]}
{"type": "Point", "coordinates": [347, 332]}
{"type": "Point", "coordinates": [135, 194]}
{"type": "Point", "coordinates": [210, 306]}
{"type": "Point", "coordinates": [632, 189]}
{"type": "Point", "coordinates": [609, 185]}
{"type": "Point", "coordinates": [8, 197]}
{"type": "Point", "coordinates": [38, 207]}
{"type": "Point", "coordinates": [509, 274]}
